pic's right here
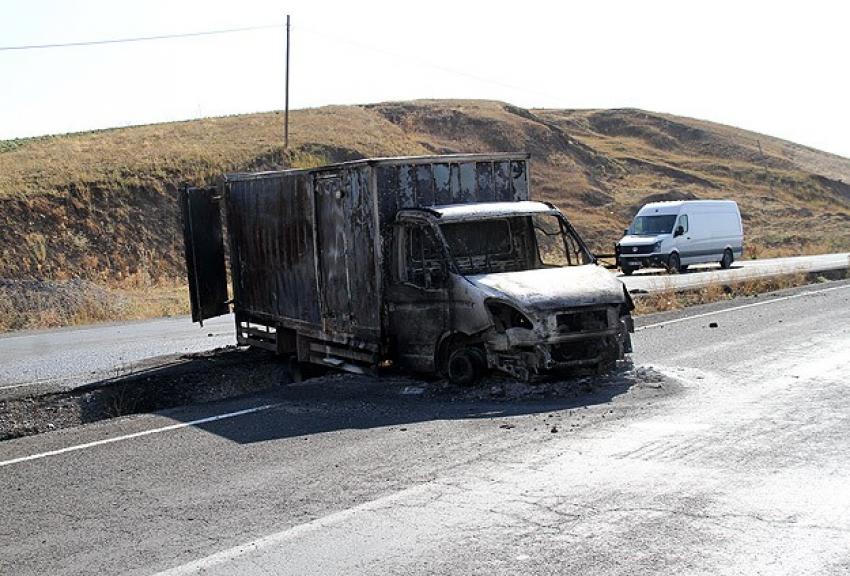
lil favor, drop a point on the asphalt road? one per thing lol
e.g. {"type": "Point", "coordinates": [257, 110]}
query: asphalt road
{"type": "Point", "coordinates": [48, 360]}
{"type": "Point", "coordinates": [703, 275]}
{"type": "Point", "coordinates": [737, 463]}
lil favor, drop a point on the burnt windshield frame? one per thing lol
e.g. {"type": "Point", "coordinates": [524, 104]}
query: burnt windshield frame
{"type": "Point", "coordinates": [569, 230]}
{"type": "Point", "coordinates": [573, 252]}
{"type": "Point", "coordinates": [566, 229]}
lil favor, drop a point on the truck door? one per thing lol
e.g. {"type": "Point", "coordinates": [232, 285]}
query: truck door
{"type": "Point", "coordinates": [204, 246]}
{"type": "Point", "coordinates": [418, 296]}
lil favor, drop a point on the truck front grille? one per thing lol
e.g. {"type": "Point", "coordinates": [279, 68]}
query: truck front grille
{"type": "Point", "coordinates": [583, 320]}
{"type": "Point", "coordinates": [631, 250]}
{"type": "Point", "coordinates": [577, 351]}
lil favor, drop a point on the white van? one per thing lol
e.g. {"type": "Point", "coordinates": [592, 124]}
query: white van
{"type": "Point", "coordinates": [674, 235]}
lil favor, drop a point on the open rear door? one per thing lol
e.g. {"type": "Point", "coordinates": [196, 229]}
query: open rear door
{"type": "Point", "coordinates": [204, 244]}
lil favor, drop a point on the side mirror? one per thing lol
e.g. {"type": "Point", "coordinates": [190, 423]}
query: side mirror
{"type": "Point", "coordinates": [679, 231]}
{"type": "Point", "coordinates": [626, 232]}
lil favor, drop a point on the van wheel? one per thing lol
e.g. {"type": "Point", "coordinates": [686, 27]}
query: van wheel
{"type": "Point", "coordinates": [727, 260]}
{"type": "Point", "coordinates": [674, 263]}
{"type": "Point", "coordinates": [627, 271]}
{"type": "Point", "coordinates": [464, 366]}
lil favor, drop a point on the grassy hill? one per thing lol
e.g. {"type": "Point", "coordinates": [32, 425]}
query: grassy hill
{"type": "Point", "coordinates": [101, 205]}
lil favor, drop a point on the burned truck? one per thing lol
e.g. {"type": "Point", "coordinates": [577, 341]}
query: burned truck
{"type": "Point", "coordinates": [437, 264]}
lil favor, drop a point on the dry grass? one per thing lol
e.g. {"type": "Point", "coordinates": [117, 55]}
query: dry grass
{"type": "Point", "coordinates": [670, 299]}
{"type": "Point", "coordinates": [28, 304]}
{"type": "Point", "coordinates": [101, 206]}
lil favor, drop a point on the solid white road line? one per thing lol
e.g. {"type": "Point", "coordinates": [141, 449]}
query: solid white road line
{"type": "Point", "coordinates": [137, 434]}
{"type": "Point", "coordinates": [752, 305]}
{"type": "Point", "coordinates": [21, 385]}
{"type": "Point", "coordinates": [231, 554]}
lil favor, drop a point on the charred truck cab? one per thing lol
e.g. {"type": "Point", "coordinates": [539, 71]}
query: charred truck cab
{"type": "Point", "coordinates": [436, 264]}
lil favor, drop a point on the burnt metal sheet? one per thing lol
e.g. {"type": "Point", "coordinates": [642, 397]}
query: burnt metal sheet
{"type": "Point", "coordinates": [484, 182]}
{"type": "Point", "coordinates": [442, 184]}
{"type": "Point", "coordinates": [468, 186]}
{"type": "Point", "coordinates": [345, 238]}
{"type": "Point", "coordinates": [425, 185]}
{"type": "Point", "coordinates": [204, 251]}
{"type": "Point", "coordinates": [363, 258]}
{"type": "Point", "coordinates": [270, 223]}
{"type": "Point", "coordinates": [502, 181]}
{"type": "Point", "coordinates": [406, 191]}
{"type": "Point", "coordinates": [332, 237]}
{"type": "Point", "coordinates": [519, 177]}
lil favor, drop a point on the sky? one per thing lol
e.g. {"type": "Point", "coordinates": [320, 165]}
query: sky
{"type": "Point", "coordinates": [779, 68]}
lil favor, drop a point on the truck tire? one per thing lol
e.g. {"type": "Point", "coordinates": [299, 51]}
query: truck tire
{"type": "Point", "coordinates": [464, 366]}
{"type": "Point", "coordinates": [301, 371]}
{"type": "Point", "coordinates": [727, 260]}
{"type": "Point", "coordinates": [674, 263]}
{"type": "Point", "coordinates": [627, 270]}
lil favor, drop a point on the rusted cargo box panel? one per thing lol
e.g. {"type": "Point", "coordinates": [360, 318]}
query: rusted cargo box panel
{"type": "Point", "coordinates": [423, 184]}
{"type": "Point", "coordinates": [347, 250]}
{"type": "Point", "coordinates": [270, 223]}
{"type": "Point", "coordinates": [418, 184]}
{"type": "Point", "coordinates": [203, 241]}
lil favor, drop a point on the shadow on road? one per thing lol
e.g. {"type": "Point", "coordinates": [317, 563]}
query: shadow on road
{"type": "Point", "coordinates": [228, 380]}
{"type": "Point", "coordinates": [344, 402]}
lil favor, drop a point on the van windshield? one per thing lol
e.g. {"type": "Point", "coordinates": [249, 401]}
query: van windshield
{"type": "Point", "coordinates": [512, 244]}
{"type": "Point", "coordinates": [651, 225]}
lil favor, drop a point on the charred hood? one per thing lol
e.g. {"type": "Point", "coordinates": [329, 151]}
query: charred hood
{"type": "Point", "coordinates": [553, 288]}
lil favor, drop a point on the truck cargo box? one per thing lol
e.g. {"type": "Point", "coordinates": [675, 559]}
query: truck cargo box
{"type": "Point", "coordinates": [309, 248]}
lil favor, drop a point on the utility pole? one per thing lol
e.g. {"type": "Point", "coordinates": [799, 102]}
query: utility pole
{"type": "Point", "coordinates": [286, 109]}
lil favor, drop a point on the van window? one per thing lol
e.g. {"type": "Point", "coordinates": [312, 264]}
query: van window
{"type": "Point", "coordinates": [683, 222]}
{"type": "Point", "coordinates": [652, 225]}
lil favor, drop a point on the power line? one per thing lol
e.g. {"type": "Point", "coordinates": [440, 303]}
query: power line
{"type": "Point", "coordinates": [332, 37]}
{"type": "Point", "coordinates": [139, 38]}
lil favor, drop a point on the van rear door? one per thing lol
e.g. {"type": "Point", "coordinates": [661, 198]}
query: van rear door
{"type": "Point", "coordinates": [204, 246]}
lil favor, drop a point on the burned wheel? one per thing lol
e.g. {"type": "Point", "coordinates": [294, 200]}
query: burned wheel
{"type": "Point", "coordinates": [464, 366]}
{"type": "Point", "coordinates": [611, 352]}
{"type": "Point", "coordinates": [300, 371]}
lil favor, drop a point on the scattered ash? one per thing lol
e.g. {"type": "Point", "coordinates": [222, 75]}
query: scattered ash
{"type": "Point", "coordinates": [497, 387]}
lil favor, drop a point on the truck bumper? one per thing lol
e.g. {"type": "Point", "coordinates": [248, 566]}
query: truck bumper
{"type": "Point", "coordinates": [530, 361]}
{"type": "Point", "coordinates": [643, 261]}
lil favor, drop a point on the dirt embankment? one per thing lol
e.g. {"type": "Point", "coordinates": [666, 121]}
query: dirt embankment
{"type": "Point", "coordinates": [101, 205]}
